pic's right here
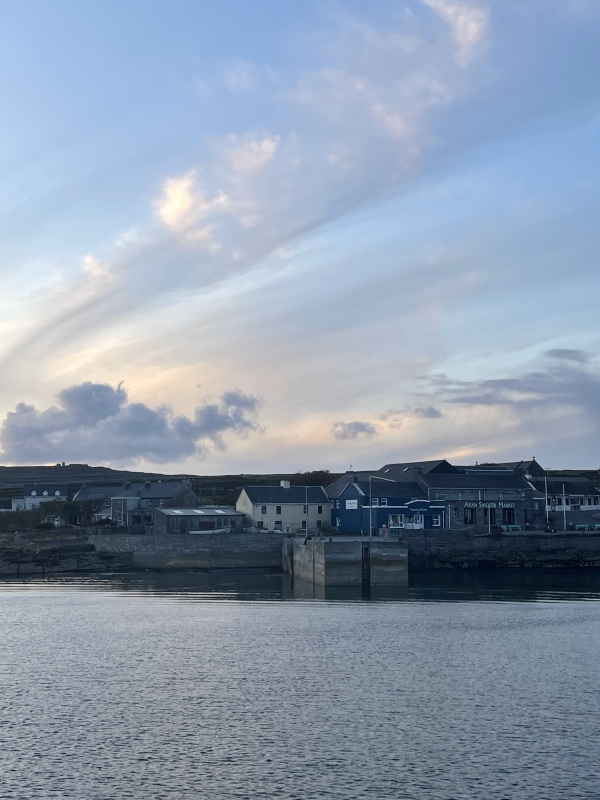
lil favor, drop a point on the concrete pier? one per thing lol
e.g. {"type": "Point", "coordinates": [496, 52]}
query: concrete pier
{"type": "Point", "coordinates": [344, 561]}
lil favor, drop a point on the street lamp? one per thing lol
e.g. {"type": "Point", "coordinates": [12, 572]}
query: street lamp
{"type": "Point", "coordinates": [371, 479]}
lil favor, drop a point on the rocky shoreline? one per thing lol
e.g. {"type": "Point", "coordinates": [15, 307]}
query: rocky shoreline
{"type": "Point", "coordinates": [50, 552]}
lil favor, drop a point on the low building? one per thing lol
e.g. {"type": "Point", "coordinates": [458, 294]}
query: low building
{"type": "Point", "coordinates": [196, 520]}
{"type": "Point", "coordinates": [285, 507]}
{"type": "Point", "coordinates": [569, 494]}
{"type": "Point", "coordinates": [482, 502]}
{"type": "Point", "coordinates": [137, 500]}
{"type": "Point", "coordinates": [92, 504]}
{"type": "Point", "coordinates": [37, 493]}
{"type": "Point", "coordinates": [383, 507]}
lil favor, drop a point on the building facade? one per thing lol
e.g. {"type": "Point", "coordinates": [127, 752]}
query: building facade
{"type": "Point", "coordinates": [36, 494]}
{"type": "Point", "coordinates": [385, 507]}
{"type": "Point", "coordinates": [285, 507]}
{"type": "Point", "coordinates": [196, 520]}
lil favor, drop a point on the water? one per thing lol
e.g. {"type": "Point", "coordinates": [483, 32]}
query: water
{"type": "Point", "coordinates": [229, 685]}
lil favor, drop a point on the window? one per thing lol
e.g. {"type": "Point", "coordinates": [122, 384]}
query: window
{"type": "Point", "coordinates": [318, 523]}
{"type": "Point", "coordinates": [440, 497]}
{"type": "Point", "coordinates": [508, 516]}
{"type": "Point", "coordinates": [589, 501]}
{"type": "Point", "coordinates": [375, 501]}
{"type": "Point", "coordinates": [500, 495]}
{"type": "Point", "coordinates": [263, 509]}
{"type": "Point", "coordinates": [460, 495]}
{"type": "Point", "coordinates": [489, 516]}
{"type": "Point", "coordinates": [278, 525]}
{"type": "Point", "coordinates": [383, 501]}
{"type": "Point", "coordinates": [455, 513]}
{"type": "Point", "coordinates": [337, 503]}
{"type": "Point", "coordinates": [303, 524]}
{"type": "Point", "coordinates": [259, 525]}
{"type": "Point", "coordinates": [470, 517]}
{"type": "Point", "coordinates": [319, 509]}
{"type": "Point", "coordinates": [305, 509]}
{"type": "Point", "coordinates": [396, 521]}
{"type": "Point", "coordinates": [595, 501]}
{"type": "Point", "coordinates": [436, 520]}
{"type": "Point", "coordinates": [161, 503]}
{"type": "Point", "coordinates": [278, 511]}
{"type": "Point", "coordinates": [523, 495]}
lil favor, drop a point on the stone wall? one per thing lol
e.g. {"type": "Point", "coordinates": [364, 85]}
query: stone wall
{"type": "Point", "coordinates": [445, 549]}
{"type": "Point", "coordinates": [194, 551]}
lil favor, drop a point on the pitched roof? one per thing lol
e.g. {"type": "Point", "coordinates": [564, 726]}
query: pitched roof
{"type": "Point", "coordinates": [337, 487]}
{"type": "Point", "coordinates": [400, 489]}
{"type": "Point", "coordinates": [476, 481]}
{"type": "Point", "coordinates": [281, 496]}
{"type": "Point", "coordinates": [96, 493]}
{"type": "Point", "coordinates": [152, 490]}
{"type": "Point", "coordinates": [49, 488]}
{"type": "Point", "coordinates": [579, 486]}
{"type": "Point", "coordinates": [440, 465]}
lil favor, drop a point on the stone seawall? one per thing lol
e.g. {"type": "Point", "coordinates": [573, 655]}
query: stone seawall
{"type": "Point", "coordinates": [194, 551]}
{"type": "Point", "coordinates": [446, 549]}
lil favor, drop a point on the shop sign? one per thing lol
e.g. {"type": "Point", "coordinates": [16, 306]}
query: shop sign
{"type": "Point", "coordinates": [351, 505]}
{"type": "Point", "coordinates": [481, 504]}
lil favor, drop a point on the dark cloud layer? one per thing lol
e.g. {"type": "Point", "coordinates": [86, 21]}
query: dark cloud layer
{"type": "Point", "coordinates": [352, 430]}
{"type": "Point", "coordinates": [95, 422]}
{"type": "Point", "coordinates": [562, 386]}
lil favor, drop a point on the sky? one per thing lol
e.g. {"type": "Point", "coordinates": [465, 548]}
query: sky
{"type": "Point", "coordinates": [270, 237]}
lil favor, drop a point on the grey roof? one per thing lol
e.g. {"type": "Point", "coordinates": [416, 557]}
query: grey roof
{"type": "Point", "coordinates": [96, 493]}
{"type": "Point", "coordinates": [152, 490]}
{"type": "Point", "coordinates": [476, 481]}
{"type": "Point", "coordinates": [337, 487]}
{"type": "Point", "coordinates": [398, 489]}
{"type": "Point", "coordinates": [572, 486]}
{"type": "Point", "coordinates": [50, 488]}
{"type": "Point", "coordinates": [209, 511]}
{"type": "Point", "coordinates": [440, 465]}
{"type": "Point", "coordinates": [281, 496]}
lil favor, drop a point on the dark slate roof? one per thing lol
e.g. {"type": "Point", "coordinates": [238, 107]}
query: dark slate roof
{"type": "Point", "coordinates": [96, 493]}
{"type": "Point", "coordinates": [575, 486]}
{"type": "Point", "coordinates": [335, 489]}
{"type": "Point", "coordinates": [281, 496]}
{"type": "Point", "coordinates": [440, 465]}
{"type": "Point", "coordinates": [50, 488]}
{"type": "Point", "coordinates": [400, 489]}
{"type": "Point", "coordinates": [485, 468]}
{"type": "Point", "coordinates": [477, 481]}
{"type": "Point", "coordinates": [152, 490]}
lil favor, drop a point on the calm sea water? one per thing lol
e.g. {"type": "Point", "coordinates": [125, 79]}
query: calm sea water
{"type": "Point", "coordinates": [229, 685]}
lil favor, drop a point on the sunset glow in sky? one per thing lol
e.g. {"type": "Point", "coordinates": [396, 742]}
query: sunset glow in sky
{"type": "Point", "coordinates": [271, 236]}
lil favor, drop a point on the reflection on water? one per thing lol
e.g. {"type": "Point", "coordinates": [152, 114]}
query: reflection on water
{"type": "Point", "coordinates": [238, 685]}
{"type": "Point", "coordinates": [267, 585]}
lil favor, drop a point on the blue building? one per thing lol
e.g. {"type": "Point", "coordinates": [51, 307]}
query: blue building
{"type": "Point", "coordinates": [387, 506]}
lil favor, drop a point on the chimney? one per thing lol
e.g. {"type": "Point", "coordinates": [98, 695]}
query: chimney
{"type": "Point", "coordinates": [284, 484]}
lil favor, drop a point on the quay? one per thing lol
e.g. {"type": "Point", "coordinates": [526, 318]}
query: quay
{"type": "Point", "coordinates": [347, 561]}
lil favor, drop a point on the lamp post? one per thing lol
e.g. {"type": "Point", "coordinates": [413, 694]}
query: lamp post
{"type": "Point", "coordinates": [371, 479]}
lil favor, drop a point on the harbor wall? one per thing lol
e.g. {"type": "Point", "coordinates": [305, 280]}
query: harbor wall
{"type": "Point", "coordinates": [194, 551]}
{"type": "Point", "coordinates": [340, 562]}
{"type": "Point", "coordinates": [441, 549]}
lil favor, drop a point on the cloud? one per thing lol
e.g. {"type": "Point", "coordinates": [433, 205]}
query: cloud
{"type": "Point", "coordinates": [240, 76]}
{"type": "Point", "coordinates": [569, 355]}
{"type": "Point", "coordinates": [395, 416]}
{"type": "Point", "coordinates": [252, 156]}
{"type": "Point", "coordinates": [95, 422]}
{"type": "Point", "coordinates": [352, 430]}
{"type": "Point", "coordinates": [468, 24]}
{"type": "Point", "coordinates": [557, 390]}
